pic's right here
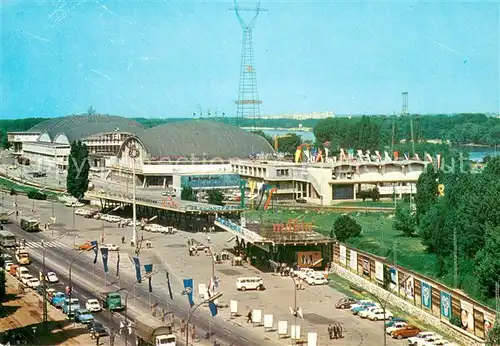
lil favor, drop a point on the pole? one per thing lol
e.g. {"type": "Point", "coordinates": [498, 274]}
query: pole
{"type": "Point", "coordinates": [93, 271]}
{"type": "Point", "coordinates": [52, 217]}
{"type": "Point", "coordinates": [15, 201]}
{"type": "Point", "coordinates": [295, 306]}
{"type": "Point", "coordinates": [455, 258]}
{"type": "Point", "coordinates": [134, 213]}
{"type": "Point", "coordinates": [70, 281]}
{"type": "Point", "coordinates": [45, 317]}
{"type": "Point", "coordinates": [190, 315]}
{"type": "Point", "coordinates": [105, 279]}
{"type": "Point", "coordinates": [73, 217]}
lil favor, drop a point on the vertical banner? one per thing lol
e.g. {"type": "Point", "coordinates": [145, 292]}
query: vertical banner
{"type": "Point", "coordinates": [379, 272]}
{"type": "Point", "coordinates": [137, 264]}
{"type": "Point", "coordinates": [426, 295]}
{"type": "Point", "coordinates": [118, 264]}
{"type": "Point", "coordinates": [104, 253]}
{"type": "Point", "coordinates": [188, 288]}
{"type": "Point", "coordinates": [445, 305]}
{"type": "Point", "coordinates": [343, 255]}
{"type": "Point", "coordinates": [148, 268]}
{"type": "Point", "coordinates": [213, 308]}
{"type": "Point", "coordinates": [353, 261]}
{"type": "Point", "coordinates": [467, 316]}
{"type": "Point", "coordinates": [96, 249]}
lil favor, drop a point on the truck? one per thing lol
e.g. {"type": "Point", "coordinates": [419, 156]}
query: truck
{"type": "Point", "coordinates": [30, 225]}
{"type": "Point", "coordinates": [23, 257]}
{"type": "Point", "coordinates": [152, 331]}
{"type": "Point", "coordinates": [4, 218]}
{"type": "Point", "coordinates": [112, 301]}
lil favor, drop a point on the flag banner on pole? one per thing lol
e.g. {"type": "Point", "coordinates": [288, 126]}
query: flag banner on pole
{"type": "Point", "coordinates": [169, 287]}
{"type": "Point", "coordinates": [96, 249]}
{"type": "Point", "coordinates": [188, 287]}
{"type": "Point", "coordinates": [149, 268]}
{"type": "Point", "coordinates": [213, 308]}
{"type": "Point", "coordinates": [104, 253]}
{"type": "Point", "coordinates": [118, 265]}
{"type": "Point", "coordinates": [137, 269]}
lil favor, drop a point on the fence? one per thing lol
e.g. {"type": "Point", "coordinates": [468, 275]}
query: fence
{"type": "Point", "coordinates": [430, 296]}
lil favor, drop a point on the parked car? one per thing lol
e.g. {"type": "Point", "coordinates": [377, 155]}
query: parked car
{"type": "Point", "coordinates": [93, 305]}
{"type": "Point", "coordinates": [413, 341]}
{"type": "Point", "coordinates": [395, 327]}
{"type": "Point", "coordinates": [377, 315]}
{"type": "Point", "coordinates": [85, 246]}
{"type": "Point", "coordinates": [366, 312]}
{"type": "Point", "coordinates": [360, 303]}
{"type": "Point", "coordinates": [345, 303]}
{"type": "Point", "coordinates": [96, 328]}
{"type": "Point", "coordinates": [301, 200]}
{"type": "Point", "coordinates": [51, 277]}
{"type": "Point", "coordinates": [83, 316]}
{"type": "Point", "coordinates": [8, 265]}
{"type": "Point", "coordinates": [356, 309]}
{"type": "Point", "coordinates": [111, 247]}
{"type": "Point", "coordinates": [33, 283]}
{"type": "Point", "coordinates": [25, 278]}
{"type": "Point", "coordinates": [442, 343]}
{"type": "Point", "coordinates": [316, 279]}
{"type": "Point", "coordinates": [393, 321]}
{"type": "Point", "coordinates": [429, 340]}
{"type": "Point", "coordinates": [406, 332]}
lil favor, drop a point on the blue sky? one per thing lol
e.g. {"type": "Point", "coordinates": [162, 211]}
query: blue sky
{"type": "Point", "coordinates": [169, 59]}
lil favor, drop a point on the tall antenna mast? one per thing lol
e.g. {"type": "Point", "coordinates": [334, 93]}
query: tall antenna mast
{"type": "Point", "coordinates": [248, 103]}
{"type": "Point", "coordinates": [405, 112]}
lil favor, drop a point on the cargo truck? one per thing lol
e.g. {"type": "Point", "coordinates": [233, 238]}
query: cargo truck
{"type": "Point", "coordinates": [152, 331]}
{"type": "Point", "coordinates": [112, 301]}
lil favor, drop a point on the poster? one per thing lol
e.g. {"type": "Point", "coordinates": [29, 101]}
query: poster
{"type": "Point", "coordinates": [257, 316]}
{"type": "Point", "coordinates": [268, 321]}
{"type": "Point", "coordinates": [407, 285]}
{"type": "Point", "coordinates": [394, 279]}
{"type": "Point", "coordinates": [233, 304]}
{"type": "Point", "coordinates": [366, 266]}
{"type": "Point", "coordinates": [426, 295]}
{"type": "Point", "coordinates": [282, 327]}
{"type": "Point", "coordinates": [309, 259]}
{"type": "Point", "coordinates": [353, 261]}
{"type": "Point", "coordinates": [343, 255]}
{"type": "Point", "coordinates": [467, 316]}
{"type": "Point", "coordinates": [312, 339]}
{"type": "Point", "coordinates": [379, 272]}
{"type": "Point", "coordinates": [489, 321]}
{"type": "Point", "coordinates": [445, 305]}
{"type": "Point", "coordinates": [295, 332]}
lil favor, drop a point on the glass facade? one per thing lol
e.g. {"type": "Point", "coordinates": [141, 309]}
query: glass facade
{"type": "Point", "coordinates": [210, 180]}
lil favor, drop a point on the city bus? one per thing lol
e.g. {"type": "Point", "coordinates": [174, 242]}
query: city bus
{"type": "Point", "coordinates": [30, 225]}
{"type": "Point", "coordinates": [7, 239]}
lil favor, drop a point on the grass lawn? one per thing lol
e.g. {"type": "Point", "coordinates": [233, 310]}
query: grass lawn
{"type": "Point", "coordinates": [8, 185]}
{"type": "Point", "coordinates": [372, 204]}
{"type": "Point", "coordinates": [378, 238]}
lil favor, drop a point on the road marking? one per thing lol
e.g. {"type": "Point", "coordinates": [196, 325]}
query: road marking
{"type": "Point", "coordinates": [229, 333]}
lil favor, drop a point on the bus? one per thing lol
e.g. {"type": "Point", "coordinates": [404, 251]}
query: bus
{"type": "Point", "coordinates": [30, 225]}
{"type": "Point", "coordinates": [7, 239]}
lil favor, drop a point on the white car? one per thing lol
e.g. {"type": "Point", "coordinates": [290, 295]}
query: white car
{"type": "Point", "coordinates": [395, 327]}
{"type": "Point", "coordinates": [25, 278]}
{"type": "Point", "coordinates": [366, 312]}
{"type": "Point", "coordinates": [316, 280]}
{"type": "Point", "coordinates": [51, 277]}
{"type": "Point", "coordinates": [429, 340]}
{"type": "Point", "coordinates": [33, 283]}
{"type": "Point", "coordinates": [413, 341]}
{"type": "Point", "coordinates": [111, 247]}
{"type": "Point", "coordinates": [93, 305]}
{"type": "Point", "coordinates": [378, 315]}
{"type": "Point", "coordinates": [8, 265]}
{"type": "Point", "coordinates": [360, 304]}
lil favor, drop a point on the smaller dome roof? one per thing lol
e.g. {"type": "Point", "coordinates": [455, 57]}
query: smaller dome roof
{"type": "Point", "coordinates": [202, 138]}
{"type": "Point", "coordinates": [76, 127]}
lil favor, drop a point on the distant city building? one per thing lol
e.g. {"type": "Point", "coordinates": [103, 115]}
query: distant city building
{"type": "Point", "coordinates": [300, 116]}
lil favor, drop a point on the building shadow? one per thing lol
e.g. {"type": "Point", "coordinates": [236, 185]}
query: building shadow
{"type": "Point", "coordinates": [33, 334]}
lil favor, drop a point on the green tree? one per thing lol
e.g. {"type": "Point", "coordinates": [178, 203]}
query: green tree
{"type": "Point", "coordinates": [5, 140]}
{"type": "Point", "coordinates": [404, 221]}
{"type": "Point", "coordinates": [346, 227]}
{"type": "Point", "coordinates": [290, 143]}
{"type": "Point", "coordinates": [375, 194]}
{"type": "Point", "coordinates": [188, 194]}
{"type": "Point", "coordinates": [493, 337]}
{"type": "Point", "coordinates": [77, 181]}
{"type": "Point", "coordinates": [488, 262]}
{"type": "Point", "coordinates": [427, 186]}
{"type": "Point", "coordinates": [215, 197]}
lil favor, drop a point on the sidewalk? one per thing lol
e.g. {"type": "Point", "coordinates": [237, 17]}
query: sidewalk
{"type": "Point", "coordinates": [22, 316]}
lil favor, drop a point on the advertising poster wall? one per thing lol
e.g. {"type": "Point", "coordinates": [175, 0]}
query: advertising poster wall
{"type": "Point", "coordinates": [309, 259]}
{"type": "Point", "coordinates": [489, 321]}
{"type": "Point", "coordinates": [407, 285]}
{"type": "Point", "coordinates": [379, 272]}
{"type": "Point", "coordinates": [467, 316]}
{"type": "Point", "coordinates": [353, 260]}
{"type": "Point", "coordinates": [343, 255]}
{"type": "Point", "coordinates": [394, 279]}
{"type": "Point", "coordinates": [366, 266]}
{"type": "Point", "coordinates": [445, 305]}
{"type": "Point", "coordinates": [426, 294]}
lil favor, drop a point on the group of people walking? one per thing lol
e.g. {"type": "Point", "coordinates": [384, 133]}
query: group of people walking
{"type": "Point", "coordinates": [335, 331]}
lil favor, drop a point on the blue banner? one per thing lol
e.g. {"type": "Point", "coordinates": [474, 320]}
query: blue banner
{"type": "Point", "coordinates": [426, 295]}
{"type": "Point", "coordinates": [213, 308]}
{"type": "Point", "coordinates": [96, 249]}
{"type": "Point", "coordinates": [118, 265]}
{"type": "Point", "coordinates": [169, 287]}
{"type": "Point", "coordinates": [188, 287]}
{"type": "Point", "coordinates": [148, 268]}
{"type": "Point", "coordinates": [137, 264]}
{"type": "Point", "coordinates": [104, 253]}
{"type": "Point", "coordinates": [445, 304]}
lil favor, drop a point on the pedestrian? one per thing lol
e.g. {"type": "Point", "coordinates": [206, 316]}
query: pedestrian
{"type": "Point", "coordinates": [183, 326]}
{"type": "Point", "coordinates": [249, 316]}
{"type": "Point", "coordinates": [335, 331]}
{"type": "Point", "coordinates": [341, 329]}
{"type": "Point", "coordinates": [193, 334]}
{"type": "Point", "coordinates": [330, 331]}
{"type": "Point", "coordinates": [123, 240]}
{"type": "Point", "coordinates": [97, 340]}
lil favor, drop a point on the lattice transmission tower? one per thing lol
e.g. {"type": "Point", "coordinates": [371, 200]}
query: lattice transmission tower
{"type": "Point", "coordinates": [248, 103]}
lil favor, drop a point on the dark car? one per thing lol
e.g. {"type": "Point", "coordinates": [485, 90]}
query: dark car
{"type": "Point", "coordinates": [301, 200]}
{"type": "Point", "coordinates": [345, 303]}
{"type": "Point", "coordinates": [95, 328]}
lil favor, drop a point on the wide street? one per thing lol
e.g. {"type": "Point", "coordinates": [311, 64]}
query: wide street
{"type": "Point", "coordinates": [170, 252]}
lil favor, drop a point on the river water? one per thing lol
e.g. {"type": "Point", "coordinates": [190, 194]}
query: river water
{"type": "Point", "coordinates": [475, 153]}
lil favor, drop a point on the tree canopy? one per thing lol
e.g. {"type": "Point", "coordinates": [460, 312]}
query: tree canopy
{"type": "Point", "coordinates": [77, 180]}
{"type": "Point", "coordinates": [215, 197]}
{"type": "Point", "coordinates": [346, 227]}
{"type": "Point", "coordinates": [188, 194]}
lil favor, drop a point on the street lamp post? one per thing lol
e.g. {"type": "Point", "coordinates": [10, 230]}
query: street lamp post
{"type": "Point", "coordinates": [69, 277]}
{"type": "Point", "coordinates": [193, 310]}
{"type": "Point", "coordinates": [295, 305]}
